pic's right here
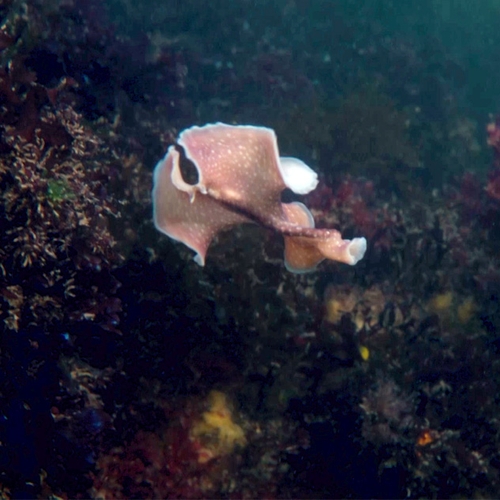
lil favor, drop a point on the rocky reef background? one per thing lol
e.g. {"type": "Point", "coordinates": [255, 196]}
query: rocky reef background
{"type": "Point", "coordinates": [127, 371]}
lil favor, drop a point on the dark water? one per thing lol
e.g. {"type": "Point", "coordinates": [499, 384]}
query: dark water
{"type": "Point", "coordinates": [129, 371]}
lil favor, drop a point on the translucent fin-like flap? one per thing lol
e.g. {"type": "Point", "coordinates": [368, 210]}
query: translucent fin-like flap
{"type": "Point", "coordinates": [297, 176]}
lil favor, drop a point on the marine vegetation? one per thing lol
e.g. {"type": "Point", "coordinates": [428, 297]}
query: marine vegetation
{"type": "Point", "coordinates": [128, 371]}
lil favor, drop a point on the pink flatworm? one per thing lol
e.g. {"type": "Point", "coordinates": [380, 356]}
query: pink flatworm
{"type": "Point", "coordinates": [240, 179]}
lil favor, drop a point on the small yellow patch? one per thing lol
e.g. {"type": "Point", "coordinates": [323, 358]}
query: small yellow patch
{"type": "Point", "coordinates": [364, 352]}
{"type": "Point", "coordinates": [445, 306]}
{"type": "Point", "coordinates": [466, 310]}
{"type": "Point", "coordinates": [216, 430]}
{"type": "Point", "coordinates": [441, 302]}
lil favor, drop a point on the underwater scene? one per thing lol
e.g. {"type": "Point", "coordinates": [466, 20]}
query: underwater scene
{"type": "Point", "coordinates": [249, 249]}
